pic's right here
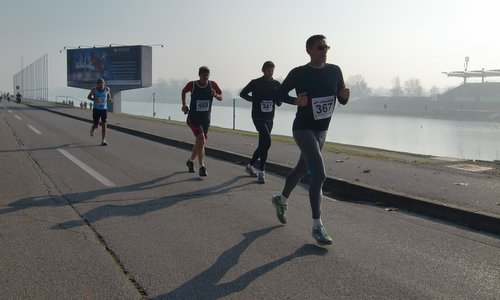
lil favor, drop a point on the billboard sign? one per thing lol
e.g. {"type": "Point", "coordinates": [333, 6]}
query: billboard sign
{"type": "Point", "coordinates": [124, 67]}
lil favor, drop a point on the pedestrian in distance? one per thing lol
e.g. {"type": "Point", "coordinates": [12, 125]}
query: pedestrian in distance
{"type": "Point", "coordinates": [100, 95]}
{"type": "Point", "coordinates": [203, 91]}
{"type": "Point", "coordinates": [318, 86]}
{"type": "Point", "coordinates": [264, 91]}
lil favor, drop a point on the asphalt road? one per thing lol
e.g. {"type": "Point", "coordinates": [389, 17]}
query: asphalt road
{"type": "Point", "coordinates": [127, 221]}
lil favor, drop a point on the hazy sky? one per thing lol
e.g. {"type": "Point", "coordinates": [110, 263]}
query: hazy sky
{"type": "Point", "coordinates": [377, 39]}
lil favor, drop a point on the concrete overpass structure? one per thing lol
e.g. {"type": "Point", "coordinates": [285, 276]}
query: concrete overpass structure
{"type": "Point", "coordinates": [474, 74]}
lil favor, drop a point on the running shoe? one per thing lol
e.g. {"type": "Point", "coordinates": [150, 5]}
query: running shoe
{"type": "Point", "coordinates": [280, 208]}
{"type": "Point", "coordinates": [203, 171]}
{"type": "Point", "coordinates": [261, 177]}
{"type": "Point", "coordinates": [104, 143]}
{"type": "Point", "coordinates": [190, 166]}
{"type": "Point", "coordinates": [92, 130]}
{"type": "Point", "coordinates": [321, 236]}
{"type": "Point", "coordinates": [251, 170]}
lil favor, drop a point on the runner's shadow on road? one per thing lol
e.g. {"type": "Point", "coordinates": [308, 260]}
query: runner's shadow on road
{"type": "Point", "coordinates": [205, 285]}
{"type": "Point", "coordinates": [144, 207]}
{"type": "Point", "coordinates": [63, 146]}
{"type": "Point", "coordinates": [78, 197]}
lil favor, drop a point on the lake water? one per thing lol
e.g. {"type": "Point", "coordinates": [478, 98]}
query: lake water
{"type": "Point", "coordinates": [443, 138]}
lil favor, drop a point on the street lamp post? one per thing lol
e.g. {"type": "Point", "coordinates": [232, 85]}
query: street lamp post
{"type": "Point", "coordinates": [234, 113]}
{"type": "Point", "coordinates": [154, 112]}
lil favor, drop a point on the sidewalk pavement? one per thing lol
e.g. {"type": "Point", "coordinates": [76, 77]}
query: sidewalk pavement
{"type": "Point", "coordinates": [466, 193]}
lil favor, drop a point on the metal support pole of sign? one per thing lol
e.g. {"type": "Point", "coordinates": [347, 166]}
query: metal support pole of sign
{"type": "Point", "coordinates": [234, 112]}
{"type": "Point", "coordinates": [154, 112]}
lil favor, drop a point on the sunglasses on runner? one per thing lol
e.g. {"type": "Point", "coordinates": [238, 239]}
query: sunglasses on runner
{"type": "Point", "coordinates": [323, 48]}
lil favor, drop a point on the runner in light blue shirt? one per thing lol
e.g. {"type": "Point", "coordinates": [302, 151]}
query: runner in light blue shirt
{"type": "Point", "coordinates": [100, 95]}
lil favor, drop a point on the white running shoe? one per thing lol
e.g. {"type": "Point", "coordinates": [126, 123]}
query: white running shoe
{"type": "Point", "coordinates": [251, 170]}
{"type": "Point", "coordinates": [261, 177]}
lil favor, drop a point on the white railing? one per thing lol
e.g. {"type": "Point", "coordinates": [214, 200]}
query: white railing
{"type": "Point", "coordinates": [73, 101]}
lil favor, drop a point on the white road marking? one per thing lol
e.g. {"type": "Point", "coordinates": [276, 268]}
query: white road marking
{"type": "Point", "coordinates": [17, 117]}
{"type": "Point", "coordinates": [87, 169]}
{"type": "Point", "coordinates": [34, 129]}
{"type": "Point", "coordinates": [9, 110]}
{"type": "Point", "coordinates": [470, 167]}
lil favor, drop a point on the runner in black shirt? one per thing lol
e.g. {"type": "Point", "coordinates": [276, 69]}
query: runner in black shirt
{"type": "Point", "coordinates": [263, 98]}
{"type": "Point", "coordinates": [318, 86]}
{"type": "Point", "coordinates": [199, 110]}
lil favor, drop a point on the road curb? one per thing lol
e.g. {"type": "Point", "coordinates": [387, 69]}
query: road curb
{"type": "Point", "coordinates": [338, 188]}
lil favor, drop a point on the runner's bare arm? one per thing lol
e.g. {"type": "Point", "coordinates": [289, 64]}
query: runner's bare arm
{"type": "Point", "coordinates": [91, 95]}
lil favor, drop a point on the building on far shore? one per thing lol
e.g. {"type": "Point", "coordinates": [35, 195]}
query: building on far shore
{"type": "Point", "coordinates": [478, 101]}
{"type": "Point", "coordinates": [472, 101]}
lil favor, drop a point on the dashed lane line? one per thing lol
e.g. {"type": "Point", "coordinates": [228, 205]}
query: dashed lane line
{"type": "Point", "coordinates": [87, 169]}
{"type": "Point", "coordinates": [35, 130]}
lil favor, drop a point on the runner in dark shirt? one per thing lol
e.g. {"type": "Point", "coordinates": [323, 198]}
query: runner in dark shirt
{"type": "Point", "coordinates": [200, 107]}
{"type": "Point", "coordinates": [318, 86]}
{"type": "Point", "coordinates": [263, 98]}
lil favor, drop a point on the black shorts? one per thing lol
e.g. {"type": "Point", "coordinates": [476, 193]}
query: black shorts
{"type": "Point", "coordinates": [198, 127]}
{"type": "Point", "coordinates": [101, 114]}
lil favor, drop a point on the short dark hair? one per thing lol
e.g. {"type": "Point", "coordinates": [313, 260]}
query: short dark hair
{"type": "Point", "coordinates": [267, 64]}
{"type": "Point", "coordinates": [313, 39]}
{"type": "Point", "coordinates": [100, 80]}
{"type": "Point", "coordinates": [203, 70]}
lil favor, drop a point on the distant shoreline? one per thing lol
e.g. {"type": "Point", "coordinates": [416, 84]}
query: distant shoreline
{"type": "Point", "coordinates": [451, 114]}
{"type": "Point", "coordinates": [481, 111]}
